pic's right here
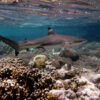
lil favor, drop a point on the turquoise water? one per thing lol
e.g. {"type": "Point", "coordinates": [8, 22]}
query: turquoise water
{"type": "Point", "coordinates": [90, 32]}
{"type": "Point", "coordinates": [77, 18]}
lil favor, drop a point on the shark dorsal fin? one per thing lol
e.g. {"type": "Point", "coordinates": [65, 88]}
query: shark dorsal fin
{"type": "Point", "coordinates": [26, 41]}
{"type": "Point", "coordinates": [50, 31]}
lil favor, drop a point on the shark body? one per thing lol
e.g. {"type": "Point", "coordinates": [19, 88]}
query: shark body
{"type": "Point", "coordinates": [52, 40]}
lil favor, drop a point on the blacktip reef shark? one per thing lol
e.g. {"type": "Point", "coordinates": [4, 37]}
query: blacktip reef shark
{"type": "Point", "coordinates": [51, 40]}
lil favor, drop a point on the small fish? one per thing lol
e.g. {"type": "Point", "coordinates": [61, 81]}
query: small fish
{"type": "Point", "coordinates": [51, 40]}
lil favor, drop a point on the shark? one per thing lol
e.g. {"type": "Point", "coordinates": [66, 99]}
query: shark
{"type": "Point", "coordinates": [51, 40]}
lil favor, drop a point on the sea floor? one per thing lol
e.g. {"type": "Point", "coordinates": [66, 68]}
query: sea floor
{"type": "Point", "coordinates": [37, 75]}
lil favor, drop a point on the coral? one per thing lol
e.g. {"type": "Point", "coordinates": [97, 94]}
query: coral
{"type": "Point", "coordinates": [17, 81]}
{"type": "Point", "coordinates": [57, 62]}
{"type": "Point", "coordinates": [67, 74]}
{"type": "Point", "coordinates": [57, 95]}
{"type": "Point", "coordinates": [96, 78]}
{"type": "Point", "coordinates": [63, 60]}
{"type": "Point", "coordinates": [76, 87]}
{"type": "Point", "coordinates": [88, 91]}
{"type": "Point", "coordinates": [50, 63]}
{"type": "Point", "coordinates": [38, 60]}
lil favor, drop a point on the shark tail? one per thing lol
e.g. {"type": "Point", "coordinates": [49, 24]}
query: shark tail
{"type": "Point", "coordinates": [11, 43]}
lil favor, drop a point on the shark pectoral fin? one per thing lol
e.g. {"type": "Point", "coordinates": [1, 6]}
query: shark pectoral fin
{"type": "Point", "coordinates": [27, 49]}
{"type": "Point", "coordinates": [66, 46]}
{"type": "Point", "coordinates": [16, 53]}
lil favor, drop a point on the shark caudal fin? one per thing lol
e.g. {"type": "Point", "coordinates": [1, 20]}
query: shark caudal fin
{"type": "Point", "coordinates": [50, 31]}
{"type": "Point", "coordinates": [11, 43]}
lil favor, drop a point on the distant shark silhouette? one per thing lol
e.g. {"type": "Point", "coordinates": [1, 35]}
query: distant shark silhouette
{"type": "Point", "coordinates": [52, 40]}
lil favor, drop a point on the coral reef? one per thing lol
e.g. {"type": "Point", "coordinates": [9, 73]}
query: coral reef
{"type": "Point", "coordinates": [45, 76]}
{"type": "Point", "coordinates": [74, 87]}
{"type": "Point", "coordinates": [17, 81]}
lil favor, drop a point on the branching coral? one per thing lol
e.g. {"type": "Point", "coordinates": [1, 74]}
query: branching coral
{"type": "Point", "coordinates": [20, 82]}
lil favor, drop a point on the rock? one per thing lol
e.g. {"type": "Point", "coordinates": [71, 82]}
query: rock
{"type": "Point", "coordinates": [96, 78]}
{"type": "Point", "coordinates": [70, 54]}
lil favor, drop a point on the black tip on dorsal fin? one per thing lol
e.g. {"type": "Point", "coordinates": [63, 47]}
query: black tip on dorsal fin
{"type": "Point", "coordinates": [49, 28]}
{"type": "Point", "coordinates": [50, 31]}
{"type": "Point", "coordinates": [26, 40]}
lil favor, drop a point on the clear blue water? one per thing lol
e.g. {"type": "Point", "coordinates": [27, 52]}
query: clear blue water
{"type": "Point", "coordinates": [90, 32]}
{"type": "Point", "coordinates": [79, 18]}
